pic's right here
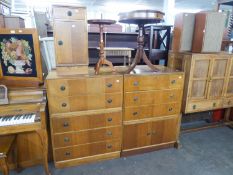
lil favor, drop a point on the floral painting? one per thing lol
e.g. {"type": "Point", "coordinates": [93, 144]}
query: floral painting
{"type": "Point", "coordinates": [17, 56]}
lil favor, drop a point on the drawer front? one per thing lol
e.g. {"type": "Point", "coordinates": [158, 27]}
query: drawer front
{"type": "Point", "coordinates": [84, 102]}
{"type": "Point", "coordinates": [152, 97]}
{"type": "Point", "coordinates": [228, 102]}
{"type": "Point", "coordinates": [141, 112]}
{"type": "Point", "coordinates": [70, 41]}
{"type": "Point", "coordinates": [203, 105]}
{"type": "Point", "coordinates": [85, 122]}
{"type": "Point", "coordinates": [84, 137]}
{"type": "Point", "coordinates": [69, 13]}
{"type": "Point", "coordinates": [70, 87]}
{"type": "Point", "coordinates": [138, 83]}
{"type": "Point", "coordinates": [87, 150]}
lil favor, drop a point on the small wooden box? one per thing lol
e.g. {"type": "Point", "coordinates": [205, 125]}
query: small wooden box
{"type": "Point", "coordinates": [14, 22]}
{"type": "Point", "coordinates": [183, 32]}
{"type": "Point", "coordinates": [208, 33]}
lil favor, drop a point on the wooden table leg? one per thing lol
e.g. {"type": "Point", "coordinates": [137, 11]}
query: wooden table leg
{"type": "Point", "coordinates": [3, 163]}
{"type": "Point", "coordinates": [44, 143]}
{"type": "Point", "coordinates": [147, 61]}
{"type": "Point", "coordinates": [135, 62]}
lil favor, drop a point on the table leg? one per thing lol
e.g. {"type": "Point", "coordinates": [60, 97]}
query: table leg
{"type": "Point", "coordinates": [147, 61]}
{"type": "Point", "coordinates": [3, 163]}
{"type": "Point", "coordinates": [135, 61]}
{"type": "Point", "coordinates": [44, 143]}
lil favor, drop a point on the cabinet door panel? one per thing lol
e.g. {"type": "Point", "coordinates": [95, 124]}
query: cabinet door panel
{"type": "Point", "coordinates": [164, 131]}
{"type": "Point", "coordinates": [199, 89]}
{"type": "Point", "coordinates": [136, 135]}
{"type": "Point", "coordinates": [230, 87]}
{"type": "Point", "coordinates": [201, 68]}
{"type": "Point", "coordinates": [216, 88]}
{"type": "Point", "coordinates": [70, 39]}
{"type": "Point", "coordinates": [219, 68]}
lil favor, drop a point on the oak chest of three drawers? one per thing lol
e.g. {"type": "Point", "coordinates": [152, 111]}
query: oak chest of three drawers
{"type": "Point", "coordinates": [85, 117]}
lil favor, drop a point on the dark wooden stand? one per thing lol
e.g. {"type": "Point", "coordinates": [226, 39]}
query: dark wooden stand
{"type": "Point", "coordinates": [102, 59]}
{"type": "Point", "coordinates": [140, 18]}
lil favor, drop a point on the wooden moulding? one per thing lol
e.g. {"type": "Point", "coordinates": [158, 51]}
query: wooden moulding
{"type": "Point", "coordinates": [72, 70]}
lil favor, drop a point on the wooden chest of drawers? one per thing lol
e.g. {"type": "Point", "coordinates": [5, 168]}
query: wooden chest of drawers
{"type": "Point", "coordinates": [208, 80]}
{"type": "Point", "coordinates": [152, 103]}
{"type": "Point", "coordinates": [85, 117]}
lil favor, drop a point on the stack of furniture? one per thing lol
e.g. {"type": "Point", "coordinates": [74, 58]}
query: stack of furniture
{"type": "Point", "coordinates": [111, 114]}
{"type": "Point", "coordinates": [208, 71]}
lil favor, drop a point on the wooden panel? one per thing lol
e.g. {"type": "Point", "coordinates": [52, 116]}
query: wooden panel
{"type": "Point", "coordinates": [82, 85]}
{"type": "Point", "coordinates": [141, 112]}
{"type": "Point", "coordinates": [83, 137]}
{"type": "Point", "coordinates": [138, 83]}
{"type": "Point", "coordinates": [14, 22]}
{"type": "Point", "coordinates": [163, 131]}
{"type": "Point", "coordinates": [136, 135]}
{"type": "Point", "coordinates": [84, 102]}
{"type": "Point", "coordinates": [70, 39]}
{"type": "Point", "coordinates": [69, 12]}
{"type": "Point", "coordinates": [152, 97]}
{"type": "Point", "coordinates": [220, 67]}
{"type": "Point", "coordinates": [230, 87]}
{"type": "Point", "coordinates": [201, 68]}
{"type": "Point", "coordinates": [198, 89]}
{"type": "Point", "coordinates": [227, 102]}
{"type": "Point", "coordinates": [77, 123]}
{"type": "Point", "coordinates": [86, 150]}
{"type": "Point", "coordinates": [216, 88]}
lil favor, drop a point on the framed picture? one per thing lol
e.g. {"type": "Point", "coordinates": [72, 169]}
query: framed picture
{"type": "Point", "coordinates": [20, 55]}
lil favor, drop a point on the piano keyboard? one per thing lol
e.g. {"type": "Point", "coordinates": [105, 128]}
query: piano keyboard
{"type": "Point", "coordinates": [17, 119]}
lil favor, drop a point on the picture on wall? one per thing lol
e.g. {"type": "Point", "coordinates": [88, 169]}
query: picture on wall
{"type": "Point", "coordinates": [20, 54]}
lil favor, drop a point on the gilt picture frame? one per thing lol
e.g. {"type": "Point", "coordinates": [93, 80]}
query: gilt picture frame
{"type": "Point", "coordinates": [20, 57]}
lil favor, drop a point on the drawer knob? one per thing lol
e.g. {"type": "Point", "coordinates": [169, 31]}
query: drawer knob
{"type": "Point", "coordinates": [229, 102]}
{"type": "Point", "coordinates": [109, 101]}
{"type": "Point", "coordinates": [63, 88]}
{"type": "Point", "coordinates": [109, 119]}
{"type": "Point", "coordinates": [67, 153]}
{"type": "Point", "coordinates": [173, 81]}
{"type": "Point", "coordinates": [194, 106]}
{"type": "Point", "coordinates": [171, 96]}
{"type": "Point", "coordinates": [109, 133]}
{"type": "Point", "coordinates": [148, 134]}
{"type": "Point", "coordinates": [135, 113]}
{"type": "Point", "coordinates": [66, 139]}
{"type": "Point", "coordinates": [170, 109]}
{"type": "Point", "coordinates": [66, 124]}
{"type": "Point", "coordinates": [60, 43]}
{"type": "Point", "coordinates": [109, 146]}
{"type": "Point", "coordinates": [69, 13]}
{"type": "Point", "coordinates": [136, 83]}
{"type": "Point", "coordinates": [214, 104]}
{"type": "Point", "coordinates": [109, 85]}
{"type": "Point", "coordinates": [135, 99]}
{"type": "Point", "coordinates": [63, 105]}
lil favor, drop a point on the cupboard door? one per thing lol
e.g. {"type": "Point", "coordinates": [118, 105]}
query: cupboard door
{"type": "Point", "coordinates": [70, 40]}
{"type": "Point", "coordinates": [199, 77]}
{"type": "Point", "coordinates": [163, 131]}
{"type": "Point", "coordinates": [136, 135]}
{"type": "Point", "coordinates": [229, 88]}
{"type": "Point", "coordinates": [217, 78]}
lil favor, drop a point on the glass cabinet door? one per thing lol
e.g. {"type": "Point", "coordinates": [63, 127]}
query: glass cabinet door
{"type": "Point", "coordinates": [218, 77]}
{"type": "Point", "coordinates": [199, 77]}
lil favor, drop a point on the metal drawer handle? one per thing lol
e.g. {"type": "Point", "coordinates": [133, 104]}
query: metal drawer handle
{"type": "Point", "coordinates": [64, 105]}
{"type": "Point", "coordinates": [60, 43]}
{"type": "Point", "coordinates": [109, 133]}
{"type": "Point", "coordinates": [170, 109]}
{"type": "Point", "coordinates": [135, 113]}
{"type": "Point", "coordinates": [194, 106]}
{"type": "Point", "coordinates": [214, 104]}
{"type": "Point", "coordinates": [69, 13]}
{"type": "Point", "coordinates": [135, 99]}
{"type": "Point", "coordinates": [171, 96]}
{"type": "Point", "coordinates": [109, 85]}
{"type": "Point", "coordinates": [109, 119]}
{"type": "Point", "coordinates": [136, 83]}
{"type": "Point", "coordinates": [109, 101]}
{"type": "Point", "coordinates": [63, 88]}
{"type": "Point", "coordinates": [66, 124]}
{"type": "Point", "coordinates": [67, 153]}
{"type": "Point", "coordinates": [109, 146]}
{"type": "Point", "coordinates": [66, 139]}
{"type": "Point", "coordinates": [173, 81]}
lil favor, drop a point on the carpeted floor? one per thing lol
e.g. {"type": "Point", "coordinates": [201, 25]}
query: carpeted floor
{"type": "Point", "coordinates": [208, 152]}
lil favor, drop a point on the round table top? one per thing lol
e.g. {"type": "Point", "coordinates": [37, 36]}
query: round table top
{"type": "Point", "coordinates": [101, 21]}
{"type": "Point", "coordinates": [141, 17]}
